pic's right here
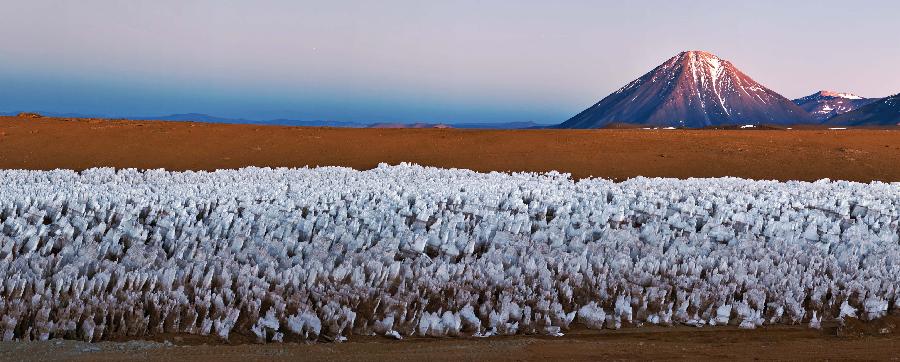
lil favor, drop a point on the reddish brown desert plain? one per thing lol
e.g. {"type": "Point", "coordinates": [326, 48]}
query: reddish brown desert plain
{"type": "Point", "coordinates": [810, 154]}
{"type": "Point", "coordinates": [860, 155]}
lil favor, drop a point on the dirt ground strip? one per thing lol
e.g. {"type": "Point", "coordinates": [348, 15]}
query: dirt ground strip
{"type": "Point", "coordinates": [650, 343]}
{"type": "Point", "coordinates": [808, 154]}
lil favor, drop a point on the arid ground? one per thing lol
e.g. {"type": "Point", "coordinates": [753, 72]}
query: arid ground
{"type": "Point", "coordinates": [810, 154]}
{"type": "Point", "coordinates": [858, 155]}
{"type": "Point", "coordinates": [649, 343]}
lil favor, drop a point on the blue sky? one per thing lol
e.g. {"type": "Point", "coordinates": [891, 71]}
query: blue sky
{"type": "Point", "coordinates": [410, 61]}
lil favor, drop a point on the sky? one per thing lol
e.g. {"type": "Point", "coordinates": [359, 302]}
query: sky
{"type": "Point", "coordinates": [414, 60]}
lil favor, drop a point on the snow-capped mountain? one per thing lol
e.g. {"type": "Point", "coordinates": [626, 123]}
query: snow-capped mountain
{"type": "Point", "coordinates": [692, 89]}
{"type": "Point", "coordinates": [882, 112]}
{"type": "Point", "coordinates": [824, 105]}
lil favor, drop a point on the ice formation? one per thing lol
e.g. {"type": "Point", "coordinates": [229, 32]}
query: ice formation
{"type": "Point", "coordinates": [397, 251]}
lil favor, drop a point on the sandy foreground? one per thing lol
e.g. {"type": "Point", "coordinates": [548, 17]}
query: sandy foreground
{"type": "Point", "coordinates": [857, 155]}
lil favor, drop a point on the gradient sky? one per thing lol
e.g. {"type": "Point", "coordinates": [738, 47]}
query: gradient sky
{"type": "Point", "coordinates": [415, 60]}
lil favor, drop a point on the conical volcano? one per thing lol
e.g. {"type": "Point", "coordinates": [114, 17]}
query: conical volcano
{"type": "Point", "coordinates": [692, 89]}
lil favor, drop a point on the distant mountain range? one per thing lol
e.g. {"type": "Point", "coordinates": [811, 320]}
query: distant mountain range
{"type": "Point", "coordinates": [693, 89]}
{"type": "Point", "coordinates": [53, 114]}
{"type": "Point", "coordinates": [883, 112]}
{"type": "Point", "coordinates": [409, 125]}
{"type": "Point", "coordinates": [824, 105]}
{"type": "Point", "coordinates": [199, 117]}
{"type": "Point", "coordinates": [503, 125]}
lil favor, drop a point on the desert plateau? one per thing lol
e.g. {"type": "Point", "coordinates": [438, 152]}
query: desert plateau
{"type": "Point", "coordinates": [807, 154]}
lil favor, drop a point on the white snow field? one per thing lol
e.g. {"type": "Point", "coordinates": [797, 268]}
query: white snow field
{"type": "Point", "coordinates": [329, 253]}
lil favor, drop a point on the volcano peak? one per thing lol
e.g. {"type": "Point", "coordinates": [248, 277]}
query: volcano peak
{"type": "Point", "coordinates": [692, 89]}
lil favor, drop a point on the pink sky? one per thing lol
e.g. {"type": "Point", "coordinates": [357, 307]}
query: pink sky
{"type": "Point", "coordinates": [432, 61]}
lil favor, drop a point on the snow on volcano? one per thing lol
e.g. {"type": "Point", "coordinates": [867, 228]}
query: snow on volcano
{"type": "Point", "coordinates": [329, 253]}
{"type": "Point", "coordinates": [692, 89]}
